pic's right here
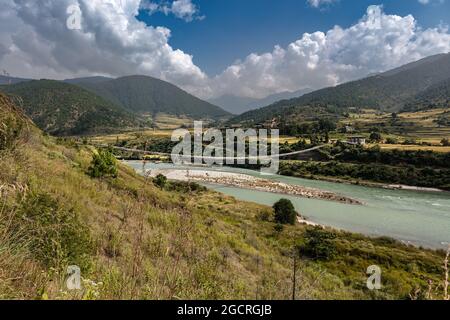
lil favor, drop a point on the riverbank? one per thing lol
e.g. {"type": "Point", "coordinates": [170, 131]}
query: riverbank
{"type": "Point", "coordinates": [403, 177]}
{"type": "Point", "coordinates": [249, 182]}
{"type": "Point", "coordinates": [366, 183]}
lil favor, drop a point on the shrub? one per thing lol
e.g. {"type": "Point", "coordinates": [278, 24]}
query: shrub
{"type": "Point", "coordinates": [391, 141]}
{"type": "Point", "coordinates": [445, 142]}
{"type": "Point", "coordinates": [319, 244]}
{"type": "Point", "coordinates": [160, 181]}
{"type": "Point", "coordinates": [179, 186]}
{"type": "Point", "coordinates": [278, 228]}
{"type": "Point", "coordinates": [103, 164]}
{"type": "Point", "coordinates": [410, 142]}
{"type": "Point", "coordinates": [285, 212]}
{"type": "Point", "coordinates": [10, 131]}
{"type": "Point", "coordinates": [264, 215]}
{"type": "Point", "coordinates": [375, 137]}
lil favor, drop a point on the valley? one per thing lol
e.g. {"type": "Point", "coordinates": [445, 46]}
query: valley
{"type": "Point", "coordinates": [383, 202]}
{"type": "Point", "coordinates": [137, 238]}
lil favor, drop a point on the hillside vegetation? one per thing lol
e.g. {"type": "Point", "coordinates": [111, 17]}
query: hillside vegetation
{"type": "Point", "coordinates": [138, 239]}
{"type": "Point", "coordinates": [63, 109]}
{"type": "Point", "coordinates": [146, 95]}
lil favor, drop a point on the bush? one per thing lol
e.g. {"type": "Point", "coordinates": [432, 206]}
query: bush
{"type": "Point", "coordinates": [319, 244]}
{"type": "Point", "coordinates": [264, 215]}
{"type": "Point", "coordinates": [103, 164]}
{"type": "Point", "coordinates": [375, 137]}
{"type": "Point", "coordinates": [278, 228]}
{"type": "Point", "coordinates": [10, 131]}
{"type": "Point", "coordinates": [445, 142]}
{"type": "Point", "coordinates": [179, 186]}
{"type": "Point", "coordinates": [391, 141]}
{"type": "Point", "coordinates": [285, 212]}
{"type": "Point", "coordinates": [160, 181]}
{"type": "Point", "coordinates": [410, 142]}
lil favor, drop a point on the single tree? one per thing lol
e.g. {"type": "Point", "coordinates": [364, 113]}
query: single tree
{"type": "Point", "coordinates": [285, 212]}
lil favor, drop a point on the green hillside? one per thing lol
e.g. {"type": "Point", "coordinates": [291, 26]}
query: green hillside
{"type": "Point", "coordinates": [146, 95]}
{"type": "Point", "coordinates": [137, 239]}
{"type": "Point", "coordinates": [437, 96]}
{"type": "Point", "coordinates": [389, 92]}
{"type": "Point", "coordinates": [64, 109]}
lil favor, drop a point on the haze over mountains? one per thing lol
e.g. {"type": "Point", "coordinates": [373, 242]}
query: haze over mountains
{"type": "Point", "coordinates": [419, 85]}
{"type": "Point", "coordinates": [11, 80]}
{"type": "Point", "coordinates": [238, 105]}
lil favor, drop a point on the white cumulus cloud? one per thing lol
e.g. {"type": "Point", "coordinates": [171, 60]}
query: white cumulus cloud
{"type": "Point", "coordinates": [378, 42]}
{"type": "Point", "coordinates": [183, 9]}
{"type": "Point", "coordinates": [35, 42]}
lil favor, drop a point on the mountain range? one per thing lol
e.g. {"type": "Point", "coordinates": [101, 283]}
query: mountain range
{"type": "Point", "coordinates": [99, 104]}
{"type": "Point", "coordinates": [418, 85]}
{"type": "Point", "coordinates": [11, 80]}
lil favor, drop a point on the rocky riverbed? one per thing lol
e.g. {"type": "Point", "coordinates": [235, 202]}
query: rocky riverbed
{"type": "Point", "coordinates": [248, 182]}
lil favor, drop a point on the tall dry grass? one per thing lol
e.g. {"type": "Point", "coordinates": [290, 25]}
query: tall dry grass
{"type": "Point", "coordinates": [446, 271]}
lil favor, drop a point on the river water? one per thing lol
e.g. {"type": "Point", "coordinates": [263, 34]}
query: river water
{"type": "Point", "coordinates": [415, 217]}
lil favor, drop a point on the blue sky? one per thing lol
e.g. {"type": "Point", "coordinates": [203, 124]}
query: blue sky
{"type": "Point", "coordinates": [232, 29]}
{"type": "Point", "coordinates": [248, 48]}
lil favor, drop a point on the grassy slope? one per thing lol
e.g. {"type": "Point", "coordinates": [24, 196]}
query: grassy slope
{"type": "Point", "coordinates": [151, 244]}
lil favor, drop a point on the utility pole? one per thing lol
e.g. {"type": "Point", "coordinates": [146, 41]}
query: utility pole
{"type": "Point", "coordinates": [7, 75]}
{"type": "Point", "coordinates": [294, 276]}
{"type": "Point", "coordinates": [258, 264]}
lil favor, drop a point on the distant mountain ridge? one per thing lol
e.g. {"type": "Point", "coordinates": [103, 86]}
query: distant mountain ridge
{"type": "Point", "coordinates": [147, 95]}
{"type": "Point", "coordinates": [390, 91]}
{"type": "Point", "coordinates": [238, 105]}
{"type": "Point", "coordinates": [11, 80]}
{"type": "Point", "coordinates": [87, 80]}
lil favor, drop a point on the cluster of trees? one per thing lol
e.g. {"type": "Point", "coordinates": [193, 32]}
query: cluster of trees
{"type": "Point", "coordinates": [358, 154]}
{"type": "Point", "coordinates": [163, 183]}
{"type": "Point", "coordinates": [444, 120]}
{"type": "Point", "coordinates": [408, 175]}
{"type": "Point", "coordinates": [319, 126]}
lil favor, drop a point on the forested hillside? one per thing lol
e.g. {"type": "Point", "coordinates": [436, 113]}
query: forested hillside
{"type": "Point", "coordinates": [146, 95]}
{"type": "Point", "coordinates": [414, 84]}
{"type": "Point", "coordinates": [64, 109]}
